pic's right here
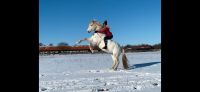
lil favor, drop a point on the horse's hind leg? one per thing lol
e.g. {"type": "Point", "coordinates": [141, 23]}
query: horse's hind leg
{"type": "Point", "coordinates": [116, 63]}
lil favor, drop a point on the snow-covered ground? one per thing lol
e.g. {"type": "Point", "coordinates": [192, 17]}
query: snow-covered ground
{"type": "Point", "coordinates": [91, 73]}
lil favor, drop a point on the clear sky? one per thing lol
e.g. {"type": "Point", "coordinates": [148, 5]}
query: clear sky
{"type": "Point", "coordinates": [131, 21]}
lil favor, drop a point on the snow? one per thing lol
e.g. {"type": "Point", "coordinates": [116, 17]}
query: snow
{"type": "Point", "coordinates": [92, 73]}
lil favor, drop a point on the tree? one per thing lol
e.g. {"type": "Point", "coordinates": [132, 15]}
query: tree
{"type": "Point", "coordinates": [128, 46]}
{"type": "Point", "coordinates": [41, 44]}
{"type": "Point", "coordinates": [50, 44]}
{"type": "Point", "coordinates": [157, 46]}
{"type": "Point", "coordinates": [62, 44]}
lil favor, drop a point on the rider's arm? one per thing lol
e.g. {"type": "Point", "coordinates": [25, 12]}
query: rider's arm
{"type": "Point", "coordinates": [103, 30]}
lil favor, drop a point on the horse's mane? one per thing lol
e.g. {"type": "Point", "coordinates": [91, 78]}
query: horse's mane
{"type": "Point", "coordinates": [98, 23]}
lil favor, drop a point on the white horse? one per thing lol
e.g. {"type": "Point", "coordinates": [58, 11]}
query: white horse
{"type": "Point", "coordinates": [112, 47]}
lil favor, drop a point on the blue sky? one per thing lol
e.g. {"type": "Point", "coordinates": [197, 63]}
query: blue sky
{"type": "Point", "coordinates": [131, 21]}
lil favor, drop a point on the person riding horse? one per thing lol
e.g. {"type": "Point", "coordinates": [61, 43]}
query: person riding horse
{"type": "Point", "coordinates": [105, 30]}
{"type": "Point", "coordinates": [113, 47]}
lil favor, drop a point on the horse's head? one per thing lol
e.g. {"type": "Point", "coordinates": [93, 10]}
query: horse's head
{"type": "Point", "coordinates": [93, 26]}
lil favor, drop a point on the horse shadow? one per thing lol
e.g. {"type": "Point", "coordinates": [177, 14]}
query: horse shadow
{"type": "Point", "coordinates": [142, 65]}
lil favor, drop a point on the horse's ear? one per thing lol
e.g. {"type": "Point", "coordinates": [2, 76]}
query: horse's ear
{"type": "Point", "coordinates": [94, 20]}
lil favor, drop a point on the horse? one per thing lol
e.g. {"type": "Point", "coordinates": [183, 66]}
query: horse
{"type": "Point", "coordinates": [112, 47]}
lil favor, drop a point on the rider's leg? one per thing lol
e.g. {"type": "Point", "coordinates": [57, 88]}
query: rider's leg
{"type": "Point", "coordinates": [105, 41]}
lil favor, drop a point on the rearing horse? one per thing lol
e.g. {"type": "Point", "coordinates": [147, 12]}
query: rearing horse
{"type": "Point", "coordinates": [112, 46]}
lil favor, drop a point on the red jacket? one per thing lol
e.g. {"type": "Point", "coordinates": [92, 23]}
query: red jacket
{"type": "Point", "coordinates": [106, 31]}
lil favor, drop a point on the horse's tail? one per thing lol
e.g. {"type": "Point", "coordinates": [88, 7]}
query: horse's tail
{"type": "Point", "coordinates": [124, 60]}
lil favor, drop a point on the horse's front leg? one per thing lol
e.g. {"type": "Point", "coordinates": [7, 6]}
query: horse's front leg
{"type": "Point", "coordinates": [85, 39]}
{"type": "Point", "coordinates": [90, 45]}
{"type": "Point", "coordinates": [91, 49]}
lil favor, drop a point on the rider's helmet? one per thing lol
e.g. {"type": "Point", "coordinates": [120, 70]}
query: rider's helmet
{"type": "Point", "coordinates": [105, 23]}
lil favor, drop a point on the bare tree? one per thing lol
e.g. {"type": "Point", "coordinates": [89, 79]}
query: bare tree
{"type": "Point", "coordinates": [157, 46]}
{"type": "Point", "coordinates": [50, 44]}
{"type": "Point", "coordinates": [41, 44]}
{"type": "Point", "coordinates": [63, 44]}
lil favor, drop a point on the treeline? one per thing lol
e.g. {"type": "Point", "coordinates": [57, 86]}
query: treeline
{"type": "Point", "coordinates": [59, 44]}
{"type": "Point", "coordinates": [64, 48]}
{"type": "Point", "coordinates": [142, 47]}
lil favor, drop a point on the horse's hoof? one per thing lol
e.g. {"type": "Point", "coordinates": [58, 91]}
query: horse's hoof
{"type": "Point", "coordinates": [115, 69]}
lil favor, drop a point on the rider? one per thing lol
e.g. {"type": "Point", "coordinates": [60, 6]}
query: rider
{"type": "Point", "coordinates": [105, 30]}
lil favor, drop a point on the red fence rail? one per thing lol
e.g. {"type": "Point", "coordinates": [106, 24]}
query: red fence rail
{"type": "Point", "coordinates": [63, 48]}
